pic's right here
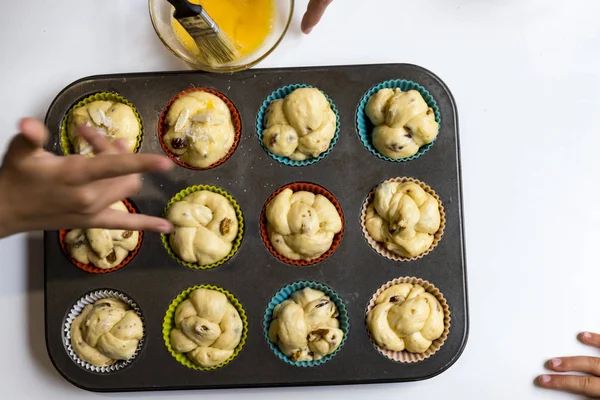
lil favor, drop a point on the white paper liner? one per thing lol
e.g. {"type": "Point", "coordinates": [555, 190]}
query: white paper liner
{"type": "Point", "coordinates": [91, 298]}
{"type": "Point", "coordinates": [406, 356]}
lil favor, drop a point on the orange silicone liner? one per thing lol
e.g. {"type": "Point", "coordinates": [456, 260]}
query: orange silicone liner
{"type": "Point", "coordinates": [91, 268]}
{"type": "Point", "coordinates": [296, 187]}
{"type": "Point", "coordinates": [235, 119]}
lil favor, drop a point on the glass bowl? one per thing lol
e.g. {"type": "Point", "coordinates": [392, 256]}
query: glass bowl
{"type": "Point", "coordinates": [161, 13]}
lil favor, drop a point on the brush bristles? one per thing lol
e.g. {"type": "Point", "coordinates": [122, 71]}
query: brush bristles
{"type": "Point", "coordinates": [218, 48]}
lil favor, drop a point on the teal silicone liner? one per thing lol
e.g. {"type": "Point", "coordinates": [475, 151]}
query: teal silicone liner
{"type": "Point", "coordinates": [286, 292]}
{"type": "Point", "coordinates": [365, 127]}
{"type": "Point", "coordinates": [260, 124]}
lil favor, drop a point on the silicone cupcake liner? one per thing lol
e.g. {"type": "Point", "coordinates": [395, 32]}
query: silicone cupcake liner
{"type": "Point", "coordinates": [76, 310]}
{"type": "Point", "coordinates": [365, 127]}
{"type": "Point", "coordinates": [65, 143]}
{"type": "Point", "coordinates": [286, 292]}
{"type": "Point", "coordinates": [379, 247]}
{"type": "Point", "coordinates": [296, 187]}
{"type": "Point", "coordinates": [405, 356]}
{"type": "Point", "coordinates": [235, 119]}
{"type": "Point", "coordinates": [169, 324]}
{"type": "Point", "coordinates": [90, 267]}
{"type": "Point", "coordinates": [260, 122]}
{"type": "Point", "coordinates": [236, 243]}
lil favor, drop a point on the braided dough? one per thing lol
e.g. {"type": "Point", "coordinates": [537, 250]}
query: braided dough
{"type": "Point", "coordinates": [110, 118]}
{"type": "Point", "coordinates": [404, 217]}
{"type": "Point", "coordinates": [208, 328]}
{"type": "Point", "coordinates": [403, 122]}
{"type": "Point", "coordinates": [406, 317]}
{"type": "Point", "coordinates": [305, 326]}
{"type": "Point", "coordinates": [199, 129]}
{"type": "Point", "coordinates": [301, 126]}
{"type": "Point", "coordinates": [204, 227]}
{"type": "Point", "coordinates": [106, 331]}
{"type": "Point", "coordinates": [103, 248]}
{"type": "Point", "coordinates": [301, 225]}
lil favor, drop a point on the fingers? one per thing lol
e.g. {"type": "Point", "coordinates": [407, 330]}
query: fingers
{"type": "Point", "coordinates": [98, 142]}
{"type": "Point", "coordinates": [112, 219]}
{"type": "Point", "coordinates": [314, 12]}
{"type": "Point", "coordinates": [108, 166]}
{"type": "Point", "coordinates": [589, 365]}
{"type": "Point", "coordinates": [591, 339]}
{"type": "Point", "coordinates": [34, 132]}
{"type": "Point", "coordinates": [584, 385]}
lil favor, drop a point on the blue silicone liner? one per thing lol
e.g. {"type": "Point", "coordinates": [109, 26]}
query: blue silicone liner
{"type": "Point", "coordinates": [283, 295]}
{"type": "Point", "coordinates": [260, 124]}
{"type": "Point", "coordinates": [365, 127]}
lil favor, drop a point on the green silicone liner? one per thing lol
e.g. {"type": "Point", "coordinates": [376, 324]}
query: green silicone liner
{"type": "Point", "coordinates": [66, 144]}
{"type": "Point", "coordinates": [284, 294]}
{"type": "Point", "coordinates": [236, 243]}
{"type": "Point", "coordinates": [365, 128]}
{"type": "Point", "coordinates": [169, 324]}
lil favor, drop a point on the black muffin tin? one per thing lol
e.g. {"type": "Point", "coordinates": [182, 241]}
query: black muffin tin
{"type": "Point", "coordinates": [355, 271]}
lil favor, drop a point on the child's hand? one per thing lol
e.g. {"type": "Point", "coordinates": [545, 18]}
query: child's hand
{"type": "Point", "coordinates": [42, 191]}
{"type": "Point", "coordinates": [314, 12]}
{"type": "Point", "coordinates": [587, 385]}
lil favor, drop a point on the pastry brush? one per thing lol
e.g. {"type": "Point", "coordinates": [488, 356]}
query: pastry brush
{"type": "Point", "coordinates": [217, 47]}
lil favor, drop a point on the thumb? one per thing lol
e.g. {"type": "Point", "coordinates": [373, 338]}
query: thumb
{"type": "Point", "coordinates": [34, 132]}
{"type": "Point", "coordinates": [32, 137]}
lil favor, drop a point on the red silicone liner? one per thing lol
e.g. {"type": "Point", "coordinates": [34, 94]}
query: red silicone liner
{"type": "Point", "coordinates": [235, 119]}
{"type": "Point", "coordinates": [91, 268]}
{"type": "Point", "coordinates": [296, 187]}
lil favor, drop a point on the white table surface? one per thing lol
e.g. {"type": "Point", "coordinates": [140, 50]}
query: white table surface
{"type": "Point", "coordinates": [526, 77]}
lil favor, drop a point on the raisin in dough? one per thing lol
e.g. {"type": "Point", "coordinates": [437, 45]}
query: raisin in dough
{"type": "Point", "coordinates": [199, 129]}
{"type": "Point", "coordinates": [406, 317]}
{"type": "Point", "coordinates": [403, 122]}
{"type": "Point", "coordinates": [208, 328]}
{"type": "Point", "coordinates": [204, 227]}
{"type": "Point", "coordinates": [301, 225]}
{"type": "Point", "coordinates": [305, 326]}
{"type": "Point", "coordinates": [105, 332]}
{"type": "Point", "coordinates": [103, 248]}
{"type": "Point", "coordinates": [112, 119]}
{"type": "Point", "coordinates": [404, 217]}
{"type": "Point", "coordinates": [301, 126]}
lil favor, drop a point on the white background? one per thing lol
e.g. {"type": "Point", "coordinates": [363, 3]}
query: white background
{"type": "Point", "coordinates": [526, 77]}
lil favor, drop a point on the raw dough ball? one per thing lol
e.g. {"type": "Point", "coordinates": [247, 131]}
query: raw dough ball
{"type": "Point", "coordinates": [199, 129]}
{"type": "Point", "coordinates": [103, 248]}
{"type": "Point", "coordinates": [301, 126]}
{"type": "Point", "coordinates": [305, 326]}
{"type": "Point", "coordinates": [204, 227]}
{"type": "Point", "coordinates": [404, 217]}
{"type": "Point", "coordinates": [110, 118]}
{"type": "Point", "coordinates": [208, 328]}
{"type": "Point", "coordinates": [403, 122]}
{"type": "Point", "coordinates": [105, 332]}
{"type": "Point", "coordinates": [301, 225]}
{"type": "Point", "coordinates": [406, 317]}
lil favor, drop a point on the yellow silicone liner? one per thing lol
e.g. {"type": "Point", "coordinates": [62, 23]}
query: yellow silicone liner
{"type": "Point", "coordinates": [236, 243]}
{"type": "Point", "coordinates": [169, 324]}
{"type": "Point", "coordinates": [65, 143]}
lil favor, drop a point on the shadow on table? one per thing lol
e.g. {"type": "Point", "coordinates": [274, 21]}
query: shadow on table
{"type": "Point", "coordinates": [35, 306]}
